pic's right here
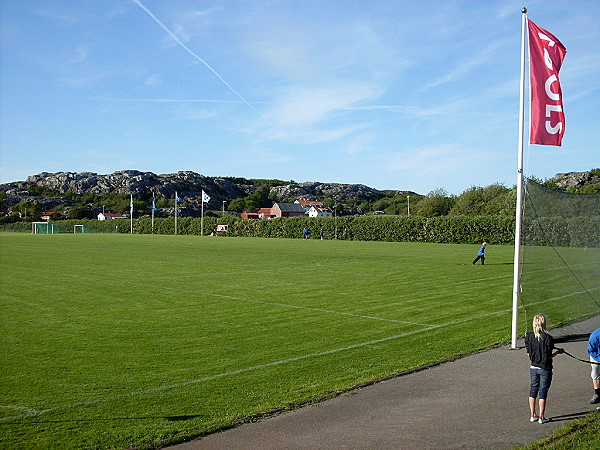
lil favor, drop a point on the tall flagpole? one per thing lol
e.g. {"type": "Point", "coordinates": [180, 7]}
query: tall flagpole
{"type": "Point", "coordinates": [153, 208]}
{"type": "Point", "coordinates": [202, 216]}
{"type": "Point", "coordinates": [519, 208]}
{"type": "Point", "coordinates": [176, 201]}
{"type": "Point", "coordinates": [131, 213]}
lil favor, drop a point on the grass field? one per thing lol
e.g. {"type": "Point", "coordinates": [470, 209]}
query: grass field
{"type": "Point", "coordinates": [140, 340]}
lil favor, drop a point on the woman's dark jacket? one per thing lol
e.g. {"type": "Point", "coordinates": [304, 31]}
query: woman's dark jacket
{"type": "Point", "coordinates": [540, 350]}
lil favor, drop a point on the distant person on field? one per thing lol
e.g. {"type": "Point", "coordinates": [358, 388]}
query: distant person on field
{"type": "Point", "coordinates": [481, 254]}
{"type": "Point", "coordinates": [594, 352]}
{"type": "Point", "coordinates": [306, 233]}
{"type": "Point", "coordinates": [541, 350]}
{"type": "Point", "coordinates": [345, 234]}
{"type": "Point", "coordinates": [322, 234]}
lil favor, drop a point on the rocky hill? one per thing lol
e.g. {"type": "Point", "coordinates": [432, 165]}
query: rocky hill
{"type": "Point", "coordinates": [52, 190]}
{"type": "Point", "coordinates": [576, 180]}
{"type": "Point", "coordinates": [314, 191]}
{"type": "Point", "coordinates": [188, 185]}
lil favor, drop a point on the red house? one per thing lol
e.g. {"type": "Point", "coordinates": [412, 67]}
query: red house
{"type": "Point", "coordinates": [287, 210]}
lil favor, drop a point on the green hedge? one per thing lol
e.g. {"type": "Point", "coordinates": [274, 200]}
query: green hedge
{"type": "Point", "coordinates": [562, 232]}
{"type": "Point", "coordinates": [580, 232]}
{"type": "Point", "coordinates": [66, 226]}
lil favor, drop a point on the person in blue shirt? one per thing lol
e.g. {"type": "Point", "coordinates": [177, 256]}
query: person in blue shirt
{"type": "Point", "coordinates": [481, 254]}
{"type": "Point", "coordinates": [594, 352]}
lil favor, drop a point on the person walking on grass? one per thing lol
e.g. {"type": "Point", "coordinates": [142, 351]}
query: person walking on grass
{"type": "Point", "coordinates": [481, 254]}
{"type": "Point", "coordinates": [541, 350]}
{"type": "Point", "coordinates": [594, 352]}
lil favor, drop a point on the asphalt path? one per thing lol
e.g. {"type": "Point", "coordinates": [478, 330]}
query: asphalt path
{"type": "Point", "coordinates": [479, 401]}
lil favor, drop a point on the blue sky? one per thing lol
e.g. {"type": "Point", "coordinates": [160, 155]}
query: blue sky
{"type": "Point", "coordinates": [409, 95]}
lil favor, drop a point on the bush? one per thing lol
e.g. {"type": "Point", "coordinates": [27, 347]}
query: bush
{"type": "Point", "coordinates": [558, 231]}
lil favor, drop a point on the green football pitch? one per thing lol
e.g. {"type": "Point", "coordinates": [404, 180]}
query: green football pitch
{"type": "Point", "coordinates": [117, 341]}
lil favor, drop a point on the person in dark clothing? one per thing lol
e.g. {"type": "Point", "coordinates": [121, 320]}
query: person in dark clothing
{"type": "Point", "coordinates": [541, 350]}
{"type": "Point", "coordinates": [481, 254]}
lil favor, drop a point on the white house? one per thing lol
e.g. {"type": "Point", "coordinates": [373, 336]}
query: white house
{"type": "Point", "coordinates": [317, 211]}
{"type": "Point", "coordinates": [110, 216]}
{"type": "Point", "coordinates": [306, 204]}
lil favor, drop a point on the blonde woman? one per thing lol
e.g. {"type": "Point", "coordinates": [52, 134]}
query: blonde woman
{"type": "Point", "coordinates": [541, 350]}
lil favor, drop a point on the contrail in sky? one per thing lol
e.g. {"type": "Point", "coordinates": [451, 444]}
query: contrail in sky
{"type": "Point", "coordinates": [187, 49]}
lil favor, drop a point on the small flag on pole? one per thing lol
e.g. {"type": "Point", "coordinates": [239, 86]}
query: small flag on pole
{"type": "Point", "coordinates": [205, 197]}
{"type": "Point", "coordinates": [154, 208]}
{"type": "Point", "coordinates": [177, 198]}
{"type": "Point", "coordinates": [546, 55]}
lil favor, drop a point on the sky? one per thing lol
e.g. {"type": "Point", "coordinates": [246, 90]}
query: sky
{"type": "Point", "coordinates": [398, 94]}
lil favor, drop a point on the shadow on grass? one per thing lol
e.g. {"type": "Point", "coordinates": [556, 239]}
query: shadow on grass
{"type": "Point", "coordinates": [108, 419]}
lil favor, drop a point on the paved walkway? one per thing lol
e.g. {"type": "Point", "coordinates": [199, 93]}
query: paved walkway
{"type": "Point", "coordinates": [476, 402]}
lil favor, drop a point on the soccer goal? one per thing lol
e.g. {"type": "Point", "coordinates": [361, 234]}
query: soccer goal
{"type": "Point", "coordinates": [80, 229]}
{"type": "Point", "coordinates": [43, 228]}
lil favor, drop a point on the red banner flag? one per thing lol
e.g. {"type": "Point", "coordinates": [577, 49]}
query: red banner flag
{"type": "Point", "coordinates": [546, 55]}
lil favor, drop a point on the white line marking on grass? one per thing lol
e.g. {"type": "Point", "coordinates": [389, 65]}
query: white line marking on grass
{"type": "Point", "coordinates": [212, 377]}
{"type": "Point", "coordinates": [249, 369]}
{"type": "Point", "coordinates": [21, 408]}
{"type": "Point", "coordinates": [485, 279]}
{"type": "Point", "coordinates": [560, 297]}
{"type": "Point", "coordinates": [222, 273]}
{"type": "Point", "coordinates": [283, 305]}
{"type": "Point", "coordinates": [524, 272]}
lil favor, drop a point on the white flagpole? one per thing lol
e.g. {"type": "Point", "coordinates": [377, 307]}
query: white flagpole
{"type": "Point", "coordinates": [131, 212]}
{"type": "Point", "coordinates": [519, 208]}
{"type": "Point", "coordinates": [202, 215]}
{"type": "Point", "coordinates": [153, 206]}
{"type": "Point", "coordinates": [176, 212]}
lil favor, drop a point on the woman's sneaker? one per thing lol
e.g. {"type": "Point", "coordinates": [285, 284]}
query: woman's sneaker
{"type": "Point", "coordinates": [543, 420]}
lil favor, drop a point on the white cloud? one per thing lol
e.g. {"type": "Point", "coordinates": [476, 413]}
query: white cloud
{"type": "Point", "coordinates": [312, 115]}
{"type": "Point", "coordinates": [430, 159]}
{"type": "Point", "coordinates": [359, 144]}
{"type": "Point", "coordinates": [467, 66]}
{"type": "Point", "coordinates": [81, 53]}
{"type": "Point", "coordinates": [153, 81]}
{"type": "Point", "coordinates": [187, 113]}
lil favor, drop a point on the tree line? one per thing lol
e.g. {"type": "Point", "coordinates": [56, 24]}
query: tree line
{"type": "Point", "coordinates": [492, 200]}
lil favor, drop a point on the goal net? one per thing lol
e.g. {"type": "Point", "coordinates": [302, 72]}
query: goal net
{"type": "Point", "coordinates": [43, 228]}
{"type": "Point", "coordinates": [80, 229]}
{"type": "Point", "coordinates": [560, 257]}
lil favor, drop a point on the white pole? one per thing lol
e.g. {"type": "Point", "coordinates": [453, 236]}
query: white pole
{"type": "Point", "coordinates": [202, 215]}
{"type": "Point", "coordinates": [176, 212]}
{"type": "Point", "coordinates": [153, 206]}
{"type": "Point", "coordinates": [131, 212]}
{"type": "Point", "coordinates": [519, 208]}
{"type": "Point", "coordinates": [335, 219]}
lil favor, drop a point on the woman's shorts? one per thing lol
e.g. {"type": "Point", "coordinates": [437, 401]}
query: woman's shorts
{"type": "Point", "coordinates": [540, 382]}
